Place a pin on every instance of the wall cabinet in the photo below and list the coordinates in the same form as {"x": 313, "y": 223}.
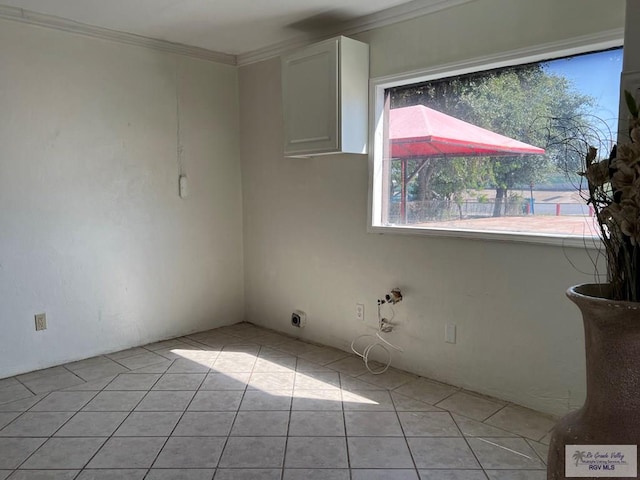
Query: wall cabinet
{"x": 325, "y": 90}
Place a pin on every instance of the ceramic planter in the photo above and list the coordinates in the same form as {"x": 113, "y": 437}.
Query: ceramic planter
{"x": 611, "y": 413}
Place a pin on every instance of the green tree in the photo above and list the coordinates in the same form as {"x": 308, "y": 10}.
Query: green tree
{"x": 519, "y": 102}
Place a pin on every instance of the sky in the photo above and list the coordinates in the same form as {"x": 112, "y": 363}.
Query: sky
{"x": 596, "y": 75}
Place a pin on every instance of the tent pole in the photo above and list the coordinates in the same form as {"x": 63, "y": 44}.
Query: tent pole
{"x": 403, "y": 191}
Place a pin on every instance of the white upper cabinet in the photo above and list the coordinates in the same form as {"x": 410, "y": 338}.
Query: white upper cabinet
{"x": 325, "y": 90}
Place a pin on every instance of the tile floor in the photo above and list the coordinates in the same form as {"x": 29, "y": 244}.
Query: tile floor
{"x": 242, "y": 402}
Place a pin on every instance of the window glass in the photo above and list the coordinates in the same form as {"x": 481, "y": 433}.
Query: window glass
{"x": 496, "y": 150}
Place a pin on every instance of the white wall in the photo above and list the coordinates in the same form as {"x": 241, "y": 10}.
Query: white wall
{"x": 306, "y": 244}
{"x": 92, "y": 230}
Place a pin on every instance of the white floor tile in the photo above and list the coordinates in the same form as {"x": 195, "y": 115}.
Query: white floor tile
{"x": 245, "y": 403}
{"x": 522, "y": 421}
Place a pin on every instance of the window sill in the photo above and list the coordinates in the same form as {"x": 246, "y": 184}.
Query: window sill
{"x": 560, "y": 240}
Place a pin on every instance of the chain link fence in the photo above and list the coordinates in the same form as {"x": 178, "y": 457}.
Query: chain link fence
{"x": 444, "y": 210}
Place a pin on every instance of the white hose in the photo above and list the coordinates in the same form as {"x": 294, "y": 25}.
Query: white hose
{"x": 380, "y": 342}
{"x": 384, "y": 325}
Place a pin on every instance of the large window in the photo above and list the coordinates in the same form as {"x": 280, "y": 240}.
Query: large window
{"x": 493, "y": 151}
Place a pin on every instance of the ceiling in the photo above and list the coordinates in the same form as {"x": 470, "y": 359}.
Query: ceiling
{"x": 235, "y": 27}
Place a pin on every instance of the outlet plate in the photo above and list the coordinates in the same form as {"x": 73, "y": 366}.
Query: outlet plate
{"x": 298, "y": 319}
{"x": 360, "y": 312}
{"x": 41, "y": 321}
{"x": 450, "y": 333}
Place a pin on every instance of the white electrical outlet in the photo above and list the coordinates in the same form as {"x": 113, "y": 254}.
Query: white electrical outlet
{"x": 41, "y": 321}
{"x": 450, "y": 333}
{"x": 360, "y": 312}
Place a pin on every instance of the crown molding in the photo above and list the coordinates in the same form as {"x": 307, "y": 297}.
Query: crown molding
{"x": 537, "y": 53}
{"x": 399, "y": 13}
{"x": 65, "y": 25}
{"x": 383, "y": 18}
{"x": 277, "y": 49}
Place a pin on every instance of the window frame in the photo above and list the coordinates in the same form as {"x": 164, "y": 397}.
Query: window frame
{"x": 378, "y": 85}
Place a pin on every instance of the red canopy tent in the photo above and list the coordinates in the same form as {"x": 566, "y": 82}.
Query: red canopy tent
{"x": 421, "y": 132}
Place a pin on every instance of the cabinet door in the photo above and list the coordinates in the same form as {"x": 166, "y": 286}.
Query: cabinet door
{"x": 310, "y": 99}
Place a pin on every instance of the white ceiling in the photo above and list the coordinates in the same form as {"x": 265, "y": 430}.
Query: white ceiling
{"x": 233, "y": 27}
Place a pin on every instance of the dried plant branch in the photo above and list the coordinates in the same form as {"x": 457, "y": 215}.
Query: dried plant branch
{"x": 613, "y": 191}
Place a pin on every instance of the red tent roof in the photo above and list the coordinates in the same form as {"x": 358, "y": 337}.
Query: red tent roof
{"x": 419, "y": 131}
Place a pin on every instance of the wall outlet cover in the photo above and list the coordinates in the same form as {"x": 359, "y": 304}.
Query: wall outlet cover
{"x": 298, "y": 318}
{"x": 41, "y": 321}
{"x": 450, "y": 333}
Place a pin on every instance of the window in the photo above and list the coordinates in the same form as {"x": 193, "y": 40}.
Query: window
{"x": 493, "y": 152}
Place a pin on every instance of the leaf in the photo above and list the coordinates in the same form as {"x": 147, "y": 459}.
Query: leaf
{"x": 631, "y": 103}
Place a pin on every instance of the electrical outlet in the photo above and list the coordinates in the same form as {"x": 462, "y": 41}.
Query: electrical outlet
{"x": 360, "y": 312}
{"x": 298, "y": 318}
{"x": 41, "y": 321}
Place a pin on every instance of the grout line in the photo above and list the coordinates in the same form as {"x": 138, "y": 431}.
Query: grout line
{"x": 160, "y": 341}
{"x": 448, "y": 396}
{"x": 546, "y": 433}
{"x": 49, "y": 437}
{"x": 286, "y": 440}
{"x": 124, "y": 420}
{"x": 139, "y": 368}
{"x": 235, "y": 417}
{"x": 346, "y": 441}
{"x": 495, "y": 413}
{"x": 406, "y": 441}
{"x": 466, "y": 441}
{"x": 23, "y": 384}
{"x": 179, "y": 419}
{"x": 528, "y": 441}
{"x": 75, "y": 374}
{"x": 488, "y": 417}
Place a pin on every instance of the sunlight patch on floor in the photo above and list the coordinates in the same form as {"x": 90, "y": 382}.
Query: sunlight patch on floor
{"x": 283, "y": 379}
